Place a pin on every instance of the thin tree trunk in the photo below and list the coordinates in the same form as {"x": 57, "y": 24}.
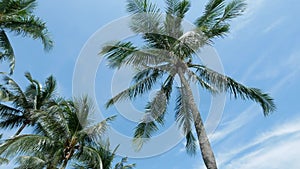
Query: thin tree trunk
{"x": 205, "y": 147}
{"x": 20, "y": 129}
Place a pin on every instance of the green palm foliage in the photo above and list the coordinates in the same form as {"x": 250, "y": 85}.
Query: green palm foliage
{"x": 107, "y": 156}
{"x": 2, "y": 160}
{"x": 18, "y": 107}
{"x": 17, "y": 16}
{"x": 64, "y": 135}
{"x": 168, "y": 52}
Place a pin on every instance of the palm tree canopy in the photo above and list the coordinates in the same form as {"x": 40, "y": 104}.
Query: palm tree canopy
{"x": 18, "y": 106}
{"x": 166, "y": 52}
{"x": 60, "y": 136}
{"x": 17, "y": 16}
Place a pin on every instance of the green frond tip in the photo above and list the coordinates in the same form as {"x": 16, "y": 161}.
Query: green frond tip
{"x": 191, "y": 144}
{"x": 264, "y": 99}
{"x": 143, "y": 133}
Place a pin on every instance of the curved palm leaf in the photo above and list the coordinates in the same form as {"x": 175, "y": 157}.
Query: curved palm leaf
{"x": 17, "y": 17}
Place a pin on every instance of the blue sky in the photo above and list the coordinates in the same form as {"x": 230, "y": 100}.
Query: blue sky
{"x": 262, "y": 50}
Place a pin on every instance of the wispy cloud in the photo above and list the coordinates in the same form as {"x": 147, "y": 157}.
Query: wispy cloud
{"x": 273, "y": 25}
{"x": 278, "y": 149}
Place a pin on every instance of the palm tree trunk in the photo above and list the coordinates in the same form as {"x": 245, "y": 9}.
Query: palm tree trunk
{"x": 205, "y": 147}
{"x": 20, "y": 129}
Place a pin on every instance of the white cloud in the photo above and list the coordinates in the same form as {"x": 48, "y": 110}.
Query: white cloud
{"x": 275, "y": 149}
{"x": 279, "y": 132}
{"x": 273, "y": 25}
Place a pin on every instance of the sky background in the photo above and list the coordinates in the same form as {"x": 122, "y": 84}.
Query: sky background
{"x": 262, "y": 50}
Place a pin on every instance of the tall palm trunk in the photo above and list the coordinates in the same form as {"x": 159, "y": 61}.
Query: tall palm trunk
{"x": 205, "y": 147}
{"x": 20, "y": 129}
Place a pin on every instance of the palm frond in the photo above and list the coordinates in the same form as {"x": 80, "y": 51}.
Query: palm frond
{"x": 52, "y": 124}
{"x": 7, "y": 52}
{"x": 96, "y": 131}
{"x": 30, "y": 26}
{"x": 183, "y": 114}
{"x": 117, "y": 53}
{"x": 17, "y": 7}
{"x": 122, "y": 165}
{"x": 3, "y": 161}
{"x": 144, "y": 131}
{"x": 141, "y": 6}
{"x": 175, "y": 11}
{"x": 89, "y": 158}
{"x": 20, "y": 98}
{"x": 225, "y": 83}
{"x": 157, "y": 107}
{"x": 143, "y": 85}
{"x": 195, "y": 78}
{"x": 191, "y": 146}
{"x": 214, "y": 22}
{"x": 9, "y": 121}
{"x": 49, "y": 89}
{"x": 24, "y": 144}
{"x": 26, "y": 162}
{"x": 146, "y": 16}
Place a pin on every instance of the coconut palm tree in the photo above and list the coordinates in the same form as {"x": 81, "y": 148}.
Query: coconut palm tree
{"x": 17, "y": 16}
{"x": 64, "y": 135}
{"x": 107, "y": 157}
{"x": 17, "y": 106}
{"x": 166, "y": 53}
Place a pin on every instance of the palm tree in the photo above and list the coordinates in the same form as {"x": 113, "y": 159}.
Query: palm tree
{"x": 168, "y": 52}
{"x": 17, "y": 107}
{"x": 17, "y": 16}
{"x": 107, "y": 156}
{"x": 64, "y": 134}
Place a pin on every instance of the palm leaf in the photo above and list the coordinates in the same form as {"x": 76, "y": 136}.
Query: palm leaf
{"x": 7, "y": 52}
{"x": 225, "y": 83}
{"x": 29, "y": 26}
{"x": 24, "y": 144}
{"x": 140, "y": 87}
{"x": 144, "y": 131}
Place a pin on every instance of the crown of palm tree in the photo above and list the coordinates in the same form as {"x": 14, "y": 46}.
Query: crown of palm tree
{"x": 168, "y": 52}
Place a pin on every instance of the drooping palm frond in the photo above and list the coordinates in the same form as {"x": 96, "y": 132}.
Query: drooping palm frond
{"x": 183, "y": 114}
{"x": 6, "y": 51}
{"x": 191, "y": 143}
{"x": 225, "y": 83}
{"x": 30, "y": 26}
{"x": 143, "y": 131}
{"x": 17, "y": 17}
